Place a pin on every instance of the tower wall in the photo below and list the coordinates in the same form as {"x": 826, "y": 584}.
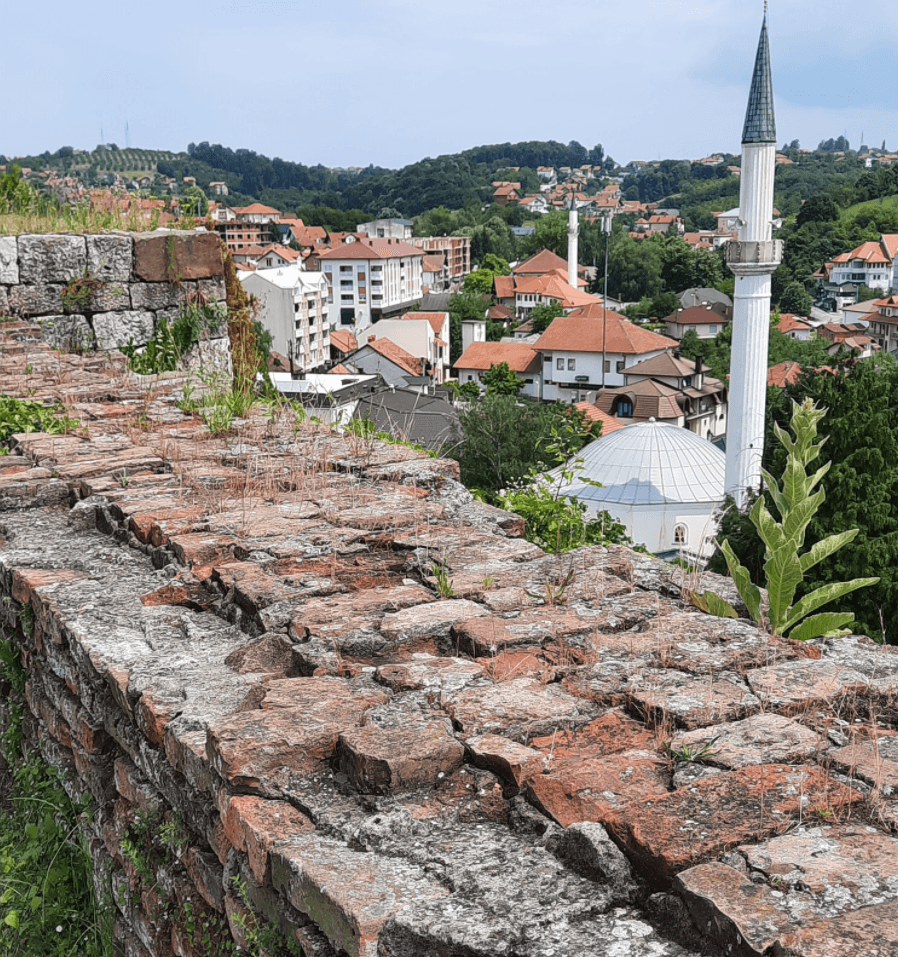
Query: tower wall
{"x": 573, "y": 231}
{"x": 756, "y": 191}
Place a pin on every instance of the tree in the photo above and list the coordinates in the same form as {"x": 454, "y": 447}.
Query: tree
{"x": 463, "y": 306}
{"x": 501, "y": 380}
{"x": 505, "y": 438}
{"x": 480, "y": 281}
{"x": 817, "y": 209}
{"x": 541, "y": 316}
{"x": 497, "y": 266}
{"x": 796, "y": 299}
{"x": 550, "y": 232}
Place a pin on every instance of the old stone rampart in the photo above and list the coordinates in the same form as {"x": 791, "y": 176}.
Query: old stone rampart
{"x": 366, "y": 710}
{"x": 103, "y": 291}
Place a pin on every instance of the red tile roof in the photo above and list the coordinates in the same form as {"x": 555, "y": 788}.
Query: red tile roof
{"x": 285, "y": 252}
{"x": 539, "y": 263}
{"x": 520, "y": 357}
{"x": 783, "y": 374}
{"x": 397, "y": 355}
{"x": 373, "y": 249}
{"x": 792, "y": 323}
{"x": 344, "y": 340}
{"x": 504, "y": 287}
{"x": 581, "y": 331}
{"x": 552, "y": 286}
{"x": 869, "y": 252}
{"x": 595, "y": 414}
{"x": 256, "y": 209}
{"x": 436, "y": 319}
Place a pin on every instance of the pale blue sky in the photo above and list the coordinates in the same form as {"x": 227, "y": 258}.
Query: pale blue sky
{"x": 391, "y": 81}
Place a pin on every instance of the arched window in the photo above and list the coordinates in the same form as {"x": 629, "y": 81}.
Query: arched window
{"x": 624, "y": 408}
{"x": 680, "y": 535}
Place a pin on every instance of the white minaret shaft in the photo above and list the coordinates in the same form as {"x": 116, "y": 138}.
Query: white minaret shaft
{"x": 573, "y": 231}
{"x": 752, "y": 259}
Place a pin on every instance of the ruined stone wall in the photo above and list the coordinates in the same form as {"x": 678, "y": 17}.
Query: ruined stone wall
{"x": 104, "y": 291}
{"x": 239, "y": 645}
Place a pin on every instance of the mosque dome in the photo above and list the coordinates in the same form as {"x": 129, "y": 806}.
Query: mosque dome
{"x": 647, "y": 464}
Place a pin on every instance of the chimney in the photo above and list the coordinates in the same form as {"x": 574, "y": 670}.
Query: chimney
{"x": 698, "y": 381}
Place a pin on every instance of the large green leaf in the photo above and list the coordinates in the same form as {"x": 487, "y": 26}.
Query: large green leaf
{"x": 823, "y": 596}
{"x": 748, "y": 590}
{"x": 814, "y": 480}
{"x": 825, "y": 548}
{"x": 712, "y": 604}
{"x": 821, "y": 626}
{"x": 799, "y": 517}
{"x": 783, "y": 577}
{"x": 795, "y": 482}
{"x": 770, "y": 531}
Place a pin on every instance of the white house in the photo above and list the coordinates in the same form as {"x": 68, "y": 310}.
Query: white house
{"x": 424, "y": 335}
{"x": 294, "y": 310}
{"x": 705, "y": 321}
{"x": 521, "y": 358}
{"x": 873, "y": 264}
{"x": 391, "y": 362}
{"x": 372, "y": 279}
{"x": 574, "y": 348}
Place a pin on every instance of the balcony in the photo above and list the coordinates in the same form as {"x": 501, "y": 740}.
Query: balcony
{"x": 768, "y": 253}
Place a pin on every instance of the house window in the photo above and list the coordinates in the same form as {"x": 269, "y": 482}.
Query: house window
{"x": 571, "y": 365}
{"x": 346, "y": 269}
{"x": 620, "y": 365}
{"x": 680, "y": 535}
{"x": 712, "y": 330}
{"x": 559, "y": 364}
{"x": 624, "y": 408}
{"x": 607, "y": 365}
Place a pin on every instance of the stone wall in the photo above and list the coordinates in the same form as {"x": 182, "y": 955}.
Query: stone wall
{"x": 238, "y": 645}
{"x": 104, "y": 291}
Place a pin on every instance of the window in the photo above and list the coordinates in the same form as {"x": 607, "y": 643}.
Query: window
{"x": 346, "y": 269}
{"x": 607, "y": 365}
{"x": 347, "y": 316}
{"x": 571, "y": 365}
{"x": 559, "y": 364}
{"x": 680, "y": 535}
{"x": 624, "y": 408}
{"x": 620, "y": 365}
{"x": 712, "y": 330}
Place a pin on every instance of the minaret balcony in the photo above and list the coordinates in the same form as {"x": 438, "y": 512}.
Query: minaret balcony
{"x": 754, "y": 258}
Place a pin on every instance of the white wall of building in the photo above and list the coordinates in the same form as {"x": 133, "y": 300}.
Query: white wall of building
{"x": 561, "y": 382}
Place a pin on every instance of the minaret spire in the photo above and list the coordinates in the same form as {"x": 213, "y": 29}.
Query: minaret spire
{"x": 752, "y": 258}
{"x": 573, "y": 231}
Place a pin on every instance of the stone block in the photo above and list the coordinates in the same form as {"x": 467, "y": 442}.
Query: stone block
{"x": 114, "y": 329}
{"x": 521, "y": 705}
{"x": 207, "y": 876}
{"x": 213, "y": 289}
{"x": 175, "y": 257}
{"x": 873, "y": 759}
{"x": 109, "y": 258}
{"x": 156, "y": 295}
{"x": 871, "y": 931}
{"x": 433, "y": 620}
{"x": 350, "y": 896}
{"x": 4, "y": 301}
{"x": 9, "y": 260}
{"x": 743, "y": 918}
{"x": 691, "y": 701}
{"x": 595, "y": 789}
{"x": 37, "y": 300}
{"x": 253, "y": 825}
{"x": 429, "y": 673}
{"x": 513, "y": 762}
{"x": 669, "y": 833}
{"x": 67, "y": 333}
{"x": 760, "y": 739}
{"x": 795, "y": 686}
{"x": 407, "y": 752}
{"x": 48, "y": 258}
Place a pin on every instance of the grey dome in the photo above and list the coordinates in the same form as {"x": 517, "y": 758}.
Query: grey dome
{"x": 648, "y": 464}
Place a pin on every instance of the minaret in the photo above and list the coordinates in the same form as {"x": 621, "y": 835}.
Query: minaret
{"x": 573, "y": 231}
{"x": 752, "y": 258}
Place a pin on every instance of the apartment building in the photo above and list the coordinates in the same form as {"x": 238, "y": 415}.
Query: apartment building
{"x": 295, "y": 311}
{"x": 372, "y": 279}
{"x": 455, "y": 250}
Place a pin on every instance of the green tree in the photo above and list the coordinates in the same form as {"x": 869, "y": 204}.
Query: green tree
{"x": 480, "y": 282}
{"x": 550, "y": 232}
{"x": 505, "y": 438}
{"x": 541, "y": 316}
{"x": 501, "y": 380}
{"x": 463, "y": 306}
{"x": 497, "y": 266}
{"x": 796, "y": 299}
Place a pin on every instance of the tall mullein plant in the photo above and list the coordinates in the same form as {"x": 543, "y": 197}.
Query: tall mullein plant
{"x": 796, "y": 498}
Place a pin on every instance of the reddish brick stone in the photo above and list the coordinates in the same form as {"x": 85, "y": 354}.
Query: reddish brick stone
{"x": 428, "y": 621}
{"x": 689, "y": 700}
{"x": 134, "y": 788}
{"x": 742, "y": 917}
{"x": 667, "y": 834}
{"x": 871, "y": 931}
{"x": 523, "y": 663}
{"x": 428, "y": 673}
{"x": 760, "y": 739}
{"x": 595, "y": 789}
{"x": 26, "y": 580}
{"x": 612, "y": 733}
{"x": 515, "y": 763}
{"x": 795, "y": 686}
{"x": 252, "y": 825}
{"x": 270, "y": 654}
{"x": 873, "y": 759}
{"x": 177, "y": 257}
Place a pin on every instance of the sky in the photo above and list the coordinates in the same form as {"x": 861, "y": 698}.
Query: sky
{"x": 389, "y": 82}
